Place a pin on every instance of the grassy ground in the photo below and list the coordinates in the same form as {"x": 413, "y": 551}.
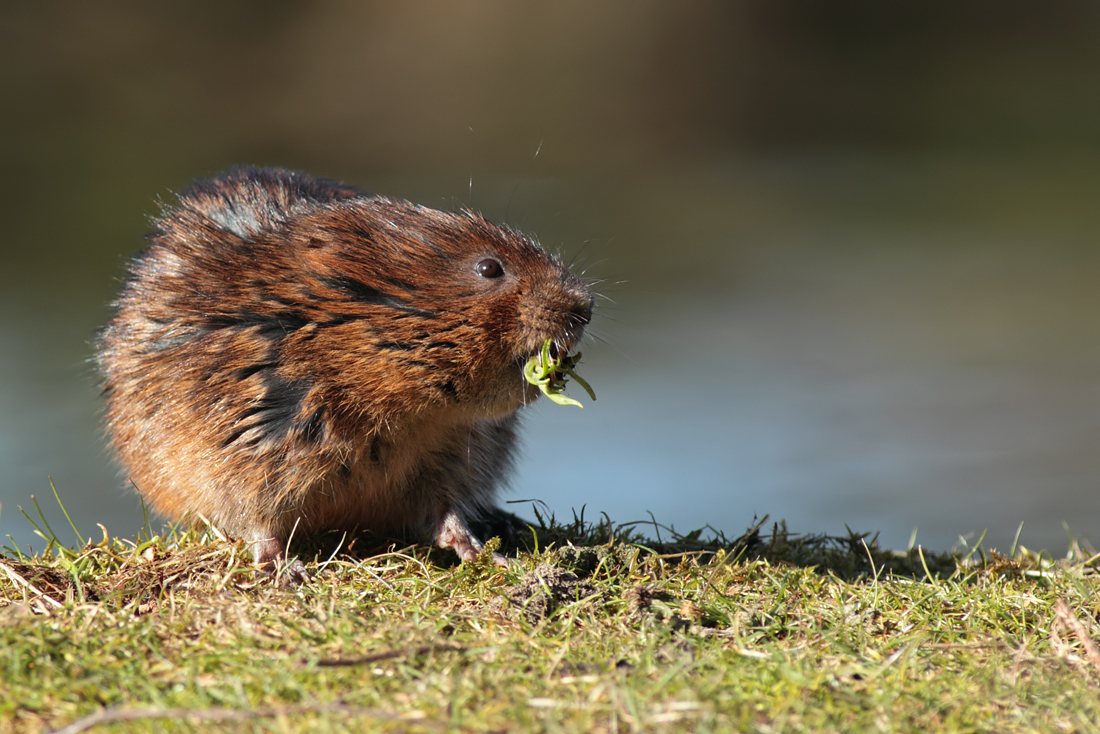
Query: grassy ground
{"x": 593, "y": 630}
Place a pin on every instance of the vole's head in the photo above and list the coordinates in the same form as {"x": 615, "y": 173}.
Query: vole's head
{"x": 453, "y": 303}
{"x": 318, "y": 308}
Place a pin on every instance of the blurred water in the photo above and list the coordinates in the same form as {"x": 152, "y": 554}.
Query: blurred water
{"x": 823, "y": 374}
{"x": 831, "y": 407}
{"x": 851, "y": 247}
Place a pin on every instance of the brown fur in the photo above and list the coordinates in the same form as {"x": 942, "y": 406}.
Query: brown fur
{"x": 289, "y": 351}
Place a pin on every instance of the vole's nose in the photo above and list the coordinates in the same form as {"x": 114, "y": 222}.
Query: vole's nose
{"x": 582, "y": 314}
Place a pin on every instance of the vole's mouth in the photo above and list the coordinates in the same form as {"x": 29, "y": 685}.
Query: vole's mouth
{"x": 550, "y": 369}
{"x": 561, "y": 324}
{"x": 558, "y": 349}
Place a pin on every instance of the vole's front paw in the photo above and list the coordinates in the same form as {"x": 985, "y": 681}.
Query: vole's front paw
{"x": 292, "y": 574}
{"x": 271, "y": 557}
{"x": 455, "y": 534}
{"x": 288, "y": 575}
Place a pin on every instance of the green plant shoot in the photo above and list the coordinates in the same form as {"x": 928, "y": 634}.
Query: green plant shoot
{"x": 550, "y": 375}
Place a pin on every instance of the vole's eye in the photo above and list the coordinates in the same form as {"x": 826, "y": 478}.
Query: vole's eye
{"x": 490, "y": 269}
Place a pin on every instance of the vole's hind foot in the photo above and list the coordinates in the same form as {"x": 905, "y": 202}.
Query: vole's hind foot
{"x": 271, "y": 558}
{"x": 288, "y": 574}
{"x": 454, "y": 533}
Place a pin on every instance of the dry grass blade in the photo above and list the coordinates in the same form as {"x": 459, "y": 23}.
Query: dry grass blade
{"x": 388, "y": 655}
{"x": 225, "y": 714}
{"x": 1069, "y": 619}
{"x": 20, "y": 581}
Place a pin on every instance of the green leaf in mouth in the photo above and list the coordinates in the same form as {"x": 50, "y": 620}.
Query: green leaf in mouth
{"x": 550, "y": 374}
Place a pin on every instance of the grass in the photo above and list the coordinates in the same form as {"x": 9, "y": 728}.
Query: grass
{"x": 594, "y": 629}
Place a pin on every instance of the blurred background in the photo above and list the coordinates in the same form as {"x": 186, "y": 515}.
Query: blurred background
{"x": 849, "y": 248}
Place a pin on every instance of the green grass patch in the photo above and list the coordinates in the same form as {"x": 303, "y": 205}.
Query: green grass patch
{"x": 594, "y": 628}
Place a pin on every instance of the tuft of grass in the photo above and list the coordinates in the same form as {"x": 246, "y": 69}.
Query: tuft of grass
{"x": 595, "y": 628}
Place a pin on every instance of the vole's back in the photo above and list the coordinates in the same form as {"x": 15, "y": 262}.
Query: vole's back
{"x": 290, "y": 352}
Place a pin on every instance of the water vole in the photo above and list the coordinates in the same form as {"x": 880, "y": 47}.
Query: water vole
{"x": 290, "y": 352}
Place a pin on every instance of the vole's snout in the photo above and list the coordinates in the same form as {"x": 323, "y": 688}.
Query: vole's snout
{"x": 562, "y": 322}
{"x": 577, "y": 316}
{"x": 582, "y": 314}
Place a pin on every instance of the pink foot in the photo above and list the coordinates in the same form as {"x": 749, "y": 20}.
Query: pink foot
{"x": 454, "y": 533}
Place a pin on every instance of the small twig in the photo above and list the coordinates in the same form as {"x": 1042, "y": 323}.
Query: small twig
{"x": 388, "y": 655}
{"x": 1067, "y": 617}
{"x": 222, "y": 714}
